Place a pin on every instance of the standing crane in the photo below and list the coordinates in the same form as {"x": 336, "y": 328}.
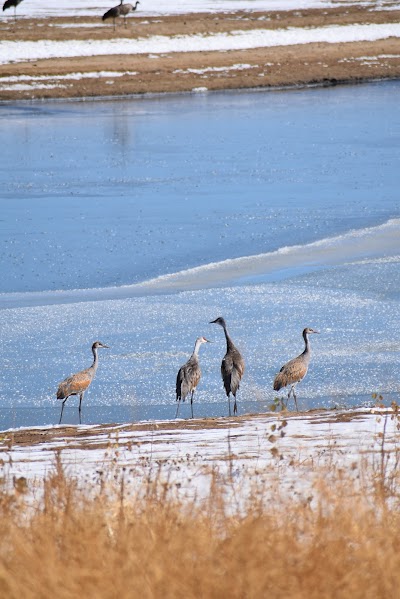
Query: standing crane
{"x": 232, "y": 366}
{"x": 125, "y": 9}
{"x": 117, "y": 11}
{"x": 9, "y": 4}
{"x": 295, "y": 370}
{"x": 189, "y": 376}
{"x": 76, "y": 384}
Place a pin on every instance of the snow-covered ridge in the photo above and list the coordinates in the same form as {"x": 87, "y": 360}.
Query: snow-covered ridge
{"x": 245, "y": 444}
{"x": 11, "y": 51}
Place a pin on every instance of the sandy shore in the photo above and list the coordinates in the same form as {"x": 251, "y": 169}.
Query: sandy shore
{"x": 294, "y": 65}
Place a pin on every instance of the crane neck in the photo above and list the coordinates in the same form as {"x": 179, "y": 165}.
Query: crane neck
{"x": 229, "y": 342}
{"x": 95, "y": 359}
{"x": 307, "y": 348}
{"x": 196, "y": 348}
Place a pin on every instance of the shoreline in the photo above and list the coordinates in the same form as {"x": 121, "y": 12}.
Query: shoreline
{"x": 297, "y": 65}
{"x": 205, "y": 444}
{"x": 150, "y": 95}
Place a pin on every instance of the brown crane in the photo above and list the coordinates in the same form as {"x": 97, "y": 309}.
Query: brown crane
{"x": 189, "y": 376}
{"x": 120, "y": 10}
{"x": 9, "y": 4}
{"x": 232, "y": 366}
{"x": 295, "y": 370}
{"x": 77, "y": 384}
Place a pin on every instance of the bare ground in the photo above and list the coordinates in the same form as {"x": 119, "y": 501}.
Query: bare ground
{"x": 310, "y": 64}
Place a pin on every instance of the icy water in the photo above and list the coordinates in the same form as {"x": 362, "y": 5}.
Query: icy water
{"x": 137, "y": 222}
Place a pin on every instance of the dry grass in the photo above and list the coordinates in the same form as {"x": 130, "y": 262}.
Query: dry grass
{"x": 106, "y": 542}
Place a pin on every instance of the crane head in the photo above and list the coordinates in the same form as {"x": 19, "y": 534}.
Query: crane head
{"x": 203, "y": 340}
{"x": 98, "y": 344}
{"x": 308, "y": 331}
{"x": 219, "y": 321}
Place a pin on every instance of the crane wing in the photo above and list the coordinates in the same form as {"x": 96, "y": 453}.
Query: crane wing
{"x": 232, "y": 370}
{"x": 74, "y": 384}
{"x": 292, "y": 372}
{"x": 187, "y": 379}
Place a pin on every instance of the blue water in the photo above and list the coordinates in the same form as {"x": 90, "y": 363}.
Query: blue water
{"x": 99, "y": 197}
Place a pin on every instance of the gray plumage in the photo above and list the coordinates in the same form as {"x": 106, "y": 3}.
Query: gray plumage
{"x": 189, "y": 376}
{"x": 76, "y": 384}
{"x": 120, "y": 10}
{"x": 125, "y": 9}
{"x": 295, "y": 370}
{"x": 232, "y": 366}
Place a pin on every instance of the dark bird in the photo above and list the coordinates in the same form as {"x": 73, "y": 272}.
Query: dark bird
{"x": 120, "y": 10}
{"x": 10, "y": 3}
{"x": 189, "y": 376}
{"x": 295, "y": 370}
{"x": 232, "y": 366}
{"x": 77, "y": 384}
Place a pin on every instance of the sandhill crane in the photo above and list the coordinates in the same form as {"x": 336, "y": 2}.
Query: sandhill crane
{"x": 232, "y": 366}
{"x": 9, "y": 4}
{"x": 117, "y": 11}
{"x": 295, "y": 370}
{"x": 77, "y": 384}
{"x": 125, "y": 9}
{"x": 113, "y": 13}
{"x": 189, "y": 376}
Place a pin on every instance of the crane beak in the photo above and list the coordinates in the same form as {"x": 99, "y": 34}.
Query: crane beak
{"x": 207, "y": 340}
{"x": 105, "y": 346}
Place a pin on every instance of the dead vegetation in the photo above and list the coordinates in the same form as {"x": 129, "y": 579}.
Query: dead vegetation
{"x": 111, "y": 537}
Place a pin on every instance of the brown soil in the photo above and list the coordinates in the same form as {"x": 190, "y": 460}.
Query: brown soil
{"x": 84, "y": 436}
{"x": 320, "y": 64}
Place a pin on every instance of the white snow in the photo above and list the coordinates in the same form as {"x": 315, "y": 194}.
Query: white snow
{"x": 23, "y": 87}
{"x": 234, "y": 67}
{"x": 69, "y": 8}
{"x": 38, "y": 8}
{"x": 11, "y": 51}
{"x": 241, "y": 449}
{"x": 32, "y": 82}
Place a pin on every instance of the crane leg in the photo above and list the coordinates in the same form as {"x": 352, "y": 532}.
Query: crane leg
{"x": 288, "y": 397}
{"x": 80, "y": 408}
{"x": 295, "y": 400}
{"x": 62, "y": 409}
{"x": 191, "y": 402}
{"x": 229, "y": 405}
{"x": 235, "y": 408}
{"x": 177, "y": 407}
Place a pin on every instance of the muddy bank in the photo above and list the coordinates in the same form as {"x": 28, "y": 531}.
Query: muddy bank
{"x": 118, "y": 75}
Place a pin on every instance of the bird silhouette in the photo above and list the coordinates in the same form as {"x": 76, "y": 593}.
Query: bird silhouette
{"x": 189, "y": 376}
{"x": 232, "y": 366}
{"x": 9, "y": 4}
{"x": 295, "y": 370}
{"x": 76, "y": 384}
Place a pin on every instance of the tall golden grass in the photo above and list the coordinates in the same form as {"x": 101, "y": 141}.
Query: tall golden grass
{"x": 103, "y": 542}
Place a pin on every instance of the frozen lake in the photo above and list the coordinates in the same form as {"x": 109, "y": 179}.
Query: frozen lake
{"x": 137, "y": 222}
